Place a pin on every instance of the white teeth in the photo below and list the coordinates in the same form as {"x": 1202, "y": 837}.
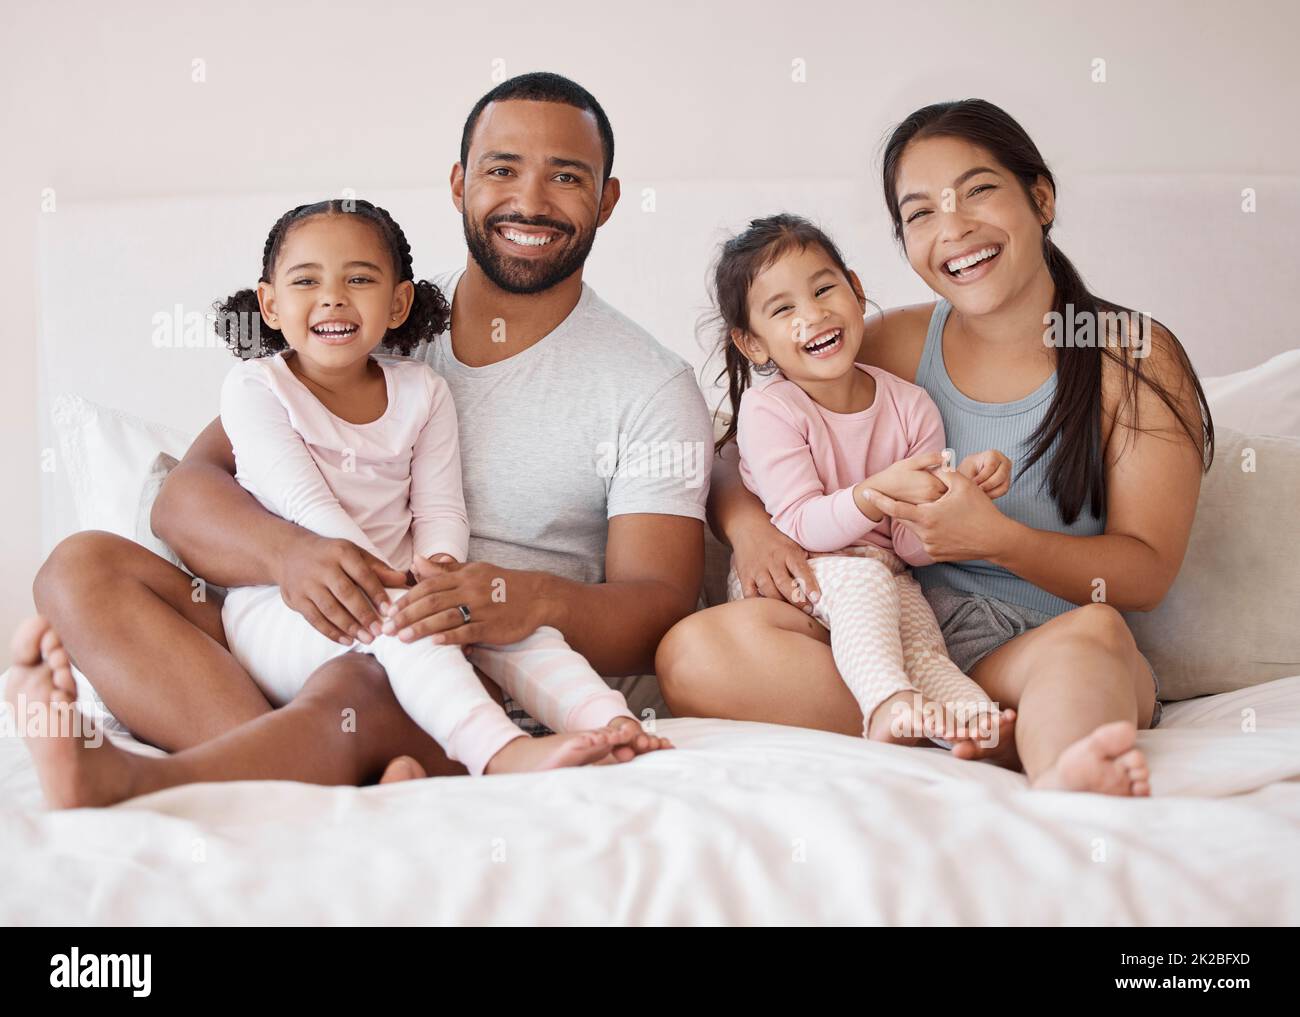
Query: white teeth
{"x": 334, "y": 329}
{"x": 957, "y": 264}
{"x": 527, "y": 239}
{"x": 822, "y": 343}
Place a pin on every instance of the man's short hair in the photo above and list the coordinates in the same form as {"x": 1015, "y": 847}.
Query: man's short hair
{"x": 543, "y": 86}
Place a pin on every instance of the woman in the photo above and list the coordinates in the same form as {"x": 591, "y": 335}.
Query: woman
{"x": 1110, "y": 439}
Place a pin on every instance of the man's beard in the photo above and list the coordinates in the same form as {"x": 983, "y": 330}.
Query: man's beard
{"x": 525, "y": 275}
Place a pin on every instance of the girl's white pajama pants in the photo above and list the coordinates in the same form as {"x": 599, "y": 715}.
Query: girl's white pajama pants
{"x": 435, "y": 684}
{"x": 884, "y": 637}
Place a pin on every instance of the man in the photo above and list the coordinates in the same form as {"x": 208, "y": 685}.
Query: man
{"x": 568, "y": 414}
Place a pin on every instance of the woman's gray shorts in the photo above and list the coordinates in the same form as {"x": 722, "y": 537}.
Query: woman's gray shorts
{"x": 974, "y": 625}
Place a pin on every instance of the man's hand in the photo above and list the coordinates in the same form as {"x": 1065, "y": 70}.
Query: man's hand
{"x": 990, "y": 470}
{"x": 505, "y": 605}
{"x": 336, "y": 586}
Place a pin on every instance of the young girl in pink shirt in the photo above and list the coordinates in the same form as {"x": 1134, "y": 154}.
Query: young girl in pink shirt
{"x": 816, "y": 438}
{"x": 353, "y": 448}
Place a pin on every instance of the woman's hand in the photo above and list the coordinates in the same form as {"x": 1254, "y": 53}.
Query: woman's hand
{"x": 990, "y": 470}
{"x": 911, "y": 480}
{"x": 963, "y": 525}
{"x": 770, "y": 564}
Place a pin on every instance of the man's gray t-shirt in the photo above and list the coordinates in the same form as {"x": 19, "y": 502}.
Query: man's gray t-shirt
{"x": 595, "y": 420}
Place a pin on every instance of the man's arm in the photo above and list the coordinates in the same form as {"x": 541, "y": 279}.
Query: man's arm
{"x": 217, "y": 528}
{"x": 654, "y": 567}
{"x": 222, "y": 533}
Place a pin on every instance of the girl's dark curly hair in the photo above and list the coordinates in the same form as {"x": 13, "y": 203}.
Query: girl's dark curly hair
{"x": 239, "y": 317}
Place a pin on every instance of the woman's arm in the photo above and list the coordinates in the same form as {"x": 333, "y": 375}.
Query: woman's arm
{"x": 767, "y": 562}
{"x": 1153, "y": 478}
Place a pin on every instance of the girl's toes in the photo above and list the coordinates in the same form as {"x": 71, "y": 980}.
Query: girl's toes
{"x": 26, "y": 642}
{"x": 49, "y": 643}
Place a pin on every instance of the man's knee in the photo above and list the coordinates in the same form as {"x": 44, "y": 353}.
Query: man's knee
{"x": 81, "y": 565}
{"x": 353, "y": 680}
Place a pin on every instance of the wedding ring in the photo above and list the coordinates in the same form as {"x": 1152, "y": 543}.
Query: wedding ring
{"x": 464, "y": 613}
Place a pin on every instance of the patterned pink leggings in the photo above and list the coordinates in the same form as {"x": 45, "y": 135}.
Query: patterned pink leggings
{"x": 884, "y": 637}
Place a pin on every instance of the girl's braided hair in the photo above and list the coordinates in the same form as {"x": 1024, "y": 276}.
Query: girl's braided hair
{"x": 239, "y": 317}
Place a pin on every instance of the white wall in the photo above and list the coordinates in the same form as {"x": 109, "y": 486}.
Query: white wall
{"x": 99, "y": 104}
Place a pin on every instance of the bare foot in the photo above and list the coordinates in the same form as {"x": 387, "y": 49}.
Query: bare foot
{"x": 993, "y": 740}
{"x": 642, "y": 740}
{"x": 904, "y": 719}
{"x": 551, "y": 752}
{"x": 77, "y": 766}
{"x": 402, "y": 768}
{"x": 1105, "y": 762}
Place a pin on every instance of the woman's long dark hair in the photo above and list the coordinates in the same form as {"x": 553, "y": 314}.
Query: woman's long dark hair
{"x": 740, "y": 261}
{"x": 1076, "y": 473}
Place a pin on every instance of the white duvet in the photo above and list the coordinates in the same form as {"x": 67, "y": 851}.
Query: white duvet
{"x": 743, "y": 823}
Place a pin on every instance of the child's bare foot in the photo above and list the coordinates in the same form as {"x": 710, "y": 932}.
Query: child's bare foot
{"x": 77, "y": 766}
{"x": 642, "y": 740}
{"x": 402, "y": 768}
{"x": 902, "y": 719}
{"x": 551, "y": 752}
{"x": 1105, "y": 762}
{"x": 991, "y": 738}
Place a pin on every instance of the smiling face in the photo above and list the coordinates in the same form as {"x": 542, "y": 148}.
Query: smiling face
{"x": 334, "y": 292}
{"x": 532, "y": 192}
{"x": 969, "y": 229}
{"x": 805, "y": 316}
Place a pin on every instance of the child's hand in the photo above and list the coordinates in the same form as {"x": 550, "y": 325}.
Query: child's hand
{"x": 911, "y": 480}
{"x": 424, "y": 568}
{"x": 991, "y": 470}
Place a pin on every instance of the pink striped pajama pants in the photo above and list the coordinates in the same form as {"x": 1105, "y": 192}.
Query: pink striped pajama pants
{"x": 884, "y": 637}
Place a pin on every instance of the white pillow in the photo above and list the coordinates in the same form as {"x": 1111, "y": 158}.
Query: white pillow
{"x": 1264, "y": 399}
{"x": 1228, "y": 621}
{"x": 110, "y": 457}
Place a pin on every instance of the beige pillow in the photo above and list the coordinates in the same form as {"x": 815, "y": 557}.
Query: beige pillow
{"x": 1229, "y": 620}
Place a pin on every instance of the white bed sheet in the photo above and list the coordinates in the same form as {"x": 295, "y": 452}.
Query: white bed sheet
{"x": 743, "y": 823}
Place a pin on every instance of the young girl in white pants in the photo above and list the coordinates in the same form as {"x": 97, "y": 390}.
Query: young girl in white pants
{"x": 815, "y": 441}
{"x": 367, "y": 451}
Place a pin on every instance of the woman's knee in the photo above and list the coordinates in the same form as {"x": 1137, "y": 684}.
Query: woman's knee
{"x": 687, "y": 654}
{"x": 1101, "y": 632}
{"x": 1101, "y": 626}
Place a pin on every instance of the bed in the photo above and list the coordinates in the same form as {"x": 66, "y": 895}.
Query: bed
{"x": 742, "y": 823}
